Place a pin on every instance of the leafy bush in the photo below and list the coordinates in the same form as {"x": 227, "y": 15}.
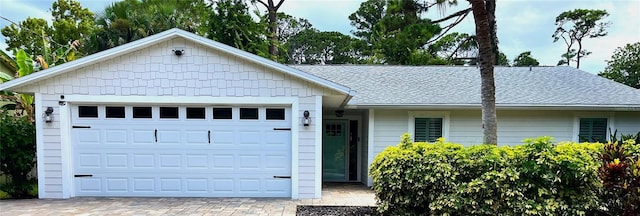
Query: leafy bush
{"x": 620, "y": 174}
{"x": 536, "y": 178}
{"x": 17, "y": 154}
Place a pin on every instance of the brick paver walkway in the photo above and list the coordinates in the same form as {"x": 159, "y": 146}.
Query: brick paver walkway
{"x": 334, "y": 194}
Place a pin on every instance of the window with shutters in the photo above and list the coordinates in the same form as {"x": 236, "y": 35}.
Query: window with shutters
{"x": 592, "y": 130}
{"x": 428, "y": 126}
{"x": 427, "y": 129}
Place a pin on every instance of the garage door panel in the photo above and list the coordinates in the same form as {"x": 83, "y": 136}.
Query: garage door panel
{"x": 203, "y": 158}
{"x": 197, "y": 137}
{"x": 221, "y": 138}
{"x": 143, "y": 161}
{"x": 89, "y": 160}
{"x": 166, "y": 136}
{"x": 115, "y": 137}
{"x": 89, "y": 185}
{"x": 197, "y": 185}
{"x": 117, "y": 184}
{"x": 116, "y": 160}
{"x": 248, "y": 162}
{"x": 141, "y": 184}
{"x": 170, "y": 185}
{"x": 197, "y": 161}
{"x": 88, "y": 137}
{"x": 170, "y": 160}
{"x": 223, "y": 162}
{"x": 143, "y": 136}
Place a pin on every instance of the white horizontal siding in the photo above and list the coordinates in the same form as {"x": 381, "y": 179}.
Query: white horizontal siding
{"x": 389, "y": 125}
{"x": 627, "y": 122}
{"x": 513, "y": 126}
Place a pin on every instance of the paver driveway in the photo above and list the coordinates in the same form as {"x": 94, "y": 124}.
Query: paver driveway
{"x": 332, "y": 195}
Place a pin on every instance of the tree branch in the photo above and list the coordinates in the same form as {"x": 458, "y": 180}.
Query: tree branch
{"x": 449, "y": 27}
{"x": 265, "y": 5}
{"x": 279, "y": 4}
{"x": 456, "y": 14}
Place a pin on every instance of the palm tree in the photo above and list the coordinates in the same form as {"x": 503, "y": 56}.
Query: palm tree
{"x": 486, "y": 61}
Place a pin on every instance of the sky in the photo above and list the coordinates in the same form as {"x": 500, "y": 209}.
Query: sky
{"x": 522, "y": 25}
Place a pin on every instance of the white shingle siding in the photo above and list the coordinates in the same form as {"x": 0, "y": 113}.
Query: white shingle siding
{"x": 156, "y": 71}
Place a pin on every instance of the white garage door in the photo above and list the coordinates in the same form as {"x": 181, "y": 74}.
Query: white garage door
{"x": 186, "y": 151}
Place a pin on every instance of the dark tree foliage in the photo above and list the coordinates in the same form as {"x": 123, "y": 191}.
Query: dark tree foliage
{"x": 624, "y": 66}
{"x": 129, "y": 20}
{"x": 231, "y": 24}
{"x": 525, "y": 59}
{"x": 315, "y": 47}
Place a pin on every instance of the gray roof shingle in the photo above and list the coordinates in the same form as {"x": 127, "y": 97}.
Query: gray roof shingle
{"x": 458, "y": 85}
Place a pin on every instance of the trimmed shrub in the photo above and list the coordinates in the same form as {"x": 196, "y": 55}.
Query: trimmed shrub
{"x": 441, "y": 178}
{"x": 17, "y": 154}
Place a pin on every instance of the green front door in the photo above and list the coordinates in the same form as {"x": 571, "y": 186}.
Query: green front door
{"x": 334, "y": 157}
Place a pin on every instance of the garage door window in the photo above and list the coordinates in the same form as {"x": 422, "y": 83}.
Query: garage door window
{"x": 142, "y": 112}
{"x": 248, "y": 113}
{"x": 88, "y": 111}
{"x": 115, "y": 112}
{"x": 169, "y": 112}
{"x": 195, "y": 113}
{"x": 222, "y": 113}
{"x": 275, "y": 114}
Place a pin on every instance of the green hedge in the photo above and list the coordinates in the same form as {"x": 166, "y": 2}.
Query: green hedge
{"x": 535, "y": 178}
{"x": 17, "y": 155}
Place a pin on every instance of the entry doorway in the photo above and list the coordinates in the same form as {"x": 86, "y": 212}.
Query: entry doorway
{"x": 340, "y": 151}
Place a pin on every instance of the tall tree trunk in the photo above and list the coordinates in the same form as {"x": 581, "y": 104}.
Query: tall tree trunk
{"x": 273, "y": 26}
{"x": 272, "y": 9}
{"x": 490, "y": 5}
{"x": 485, "y": 59}
{"x": 578, "y": 54}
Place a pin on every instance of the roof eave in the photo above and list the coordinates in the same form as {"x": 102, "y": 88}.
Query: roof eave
{"x": 585, "y": 107}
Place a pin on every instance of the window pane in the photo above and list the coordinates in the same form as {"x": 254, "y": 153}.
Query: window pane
{"x": 88, "y": 111}
{"x": 593, "y": 130}
{"x": 222, "y": 113}
{"x": 248, "y": 113}
{"x": 195, "y": 113}
{"x": 169, "y": 112}
{"x": 142, "y": 112}
{"x": 114, "y": 112}
{"x": 275, "y": 114}
{"x": 427, "y": 129}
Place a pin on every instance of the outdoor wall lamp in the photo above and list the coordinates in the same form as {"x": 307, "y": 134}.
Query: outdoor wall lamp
{"x": 306, "y": 120}
{"x": 178, "y": 52}
{"x": 48, "y": 115}
{"x": 339, "y": 113}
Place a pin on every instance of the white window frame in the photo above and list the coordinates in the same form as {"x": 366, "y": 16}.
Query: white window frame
{"x": 445, "y": 115}
{"x": 610, "y": 116}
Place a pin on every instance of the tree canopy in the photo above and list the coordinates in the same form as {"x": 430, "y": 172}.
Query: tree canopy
{"x": 624, "y": 66}
{"x": 71, "y": 23}
{"x": 575, "y": 25}
{"x": 525, "y": 59}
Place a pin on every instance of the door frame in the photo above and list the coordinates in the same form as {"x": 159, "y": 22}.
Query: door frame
{"x": 348, "y": 118}
{"x": 68, "y": 183}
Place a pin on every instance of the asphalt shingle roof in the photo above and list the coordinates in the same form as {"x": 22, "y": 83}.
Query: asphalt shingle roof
{"x": 459, "y": 85}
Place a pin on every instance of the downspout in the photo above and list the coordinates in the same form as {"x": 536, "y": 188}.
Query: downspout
{"x": 347, "y": 99}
